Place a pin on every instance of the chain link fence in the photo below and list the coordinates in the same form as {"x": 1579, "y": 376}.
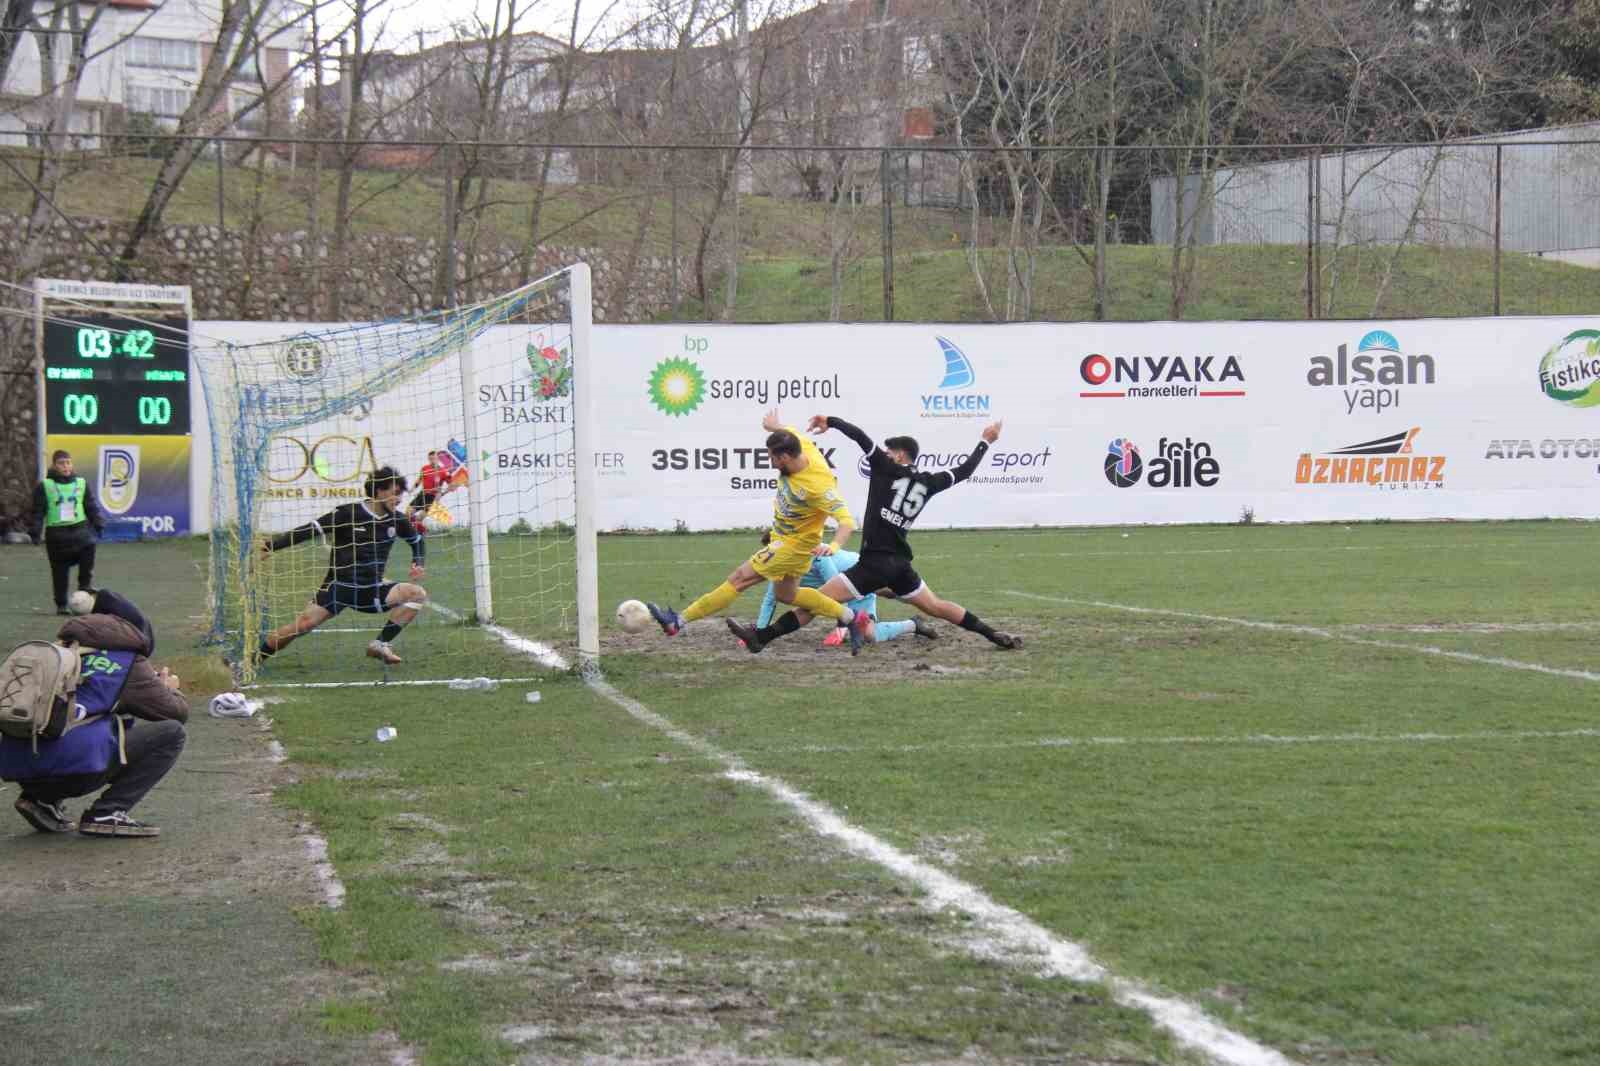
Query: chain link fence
{"x": 315, "y": 230}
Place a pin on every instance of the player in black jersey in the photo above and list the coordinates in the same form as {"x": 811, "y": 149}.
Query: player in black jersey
{"x": 896, "y": 495}
{"x": 361, "y": 534}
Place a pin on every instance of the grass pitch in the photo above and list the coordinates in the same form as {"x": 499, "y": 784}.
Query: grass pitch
{"x": 1333, "y": 784}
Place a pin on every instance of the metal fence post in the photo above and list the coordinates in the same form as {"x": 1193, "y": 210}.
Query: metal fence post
{"x": 1311, "y": 235}
{"x": 222, "y": 206}
{"x": 1498, "y": 154}
{"x": 884, "y": 181}
{"x": 672, "y": 171}
{"x": 448, "y": 278}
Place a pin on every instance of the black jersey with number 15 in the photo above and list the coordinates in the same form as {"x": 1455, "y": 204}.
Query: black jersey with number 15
{"x": 897, "y": 494}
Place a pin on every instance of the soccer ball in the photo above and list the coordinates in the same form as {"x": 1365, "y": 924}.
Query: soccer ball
{"x": 633, "y": 616}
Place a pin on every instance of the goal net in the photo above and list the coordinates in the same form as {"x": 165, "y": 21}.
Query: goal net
{"x": 483, "y": 410}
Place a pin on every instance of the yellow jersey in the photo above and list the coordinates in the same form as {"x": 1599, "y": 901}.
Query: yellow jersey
{"x": 805, "y": 500}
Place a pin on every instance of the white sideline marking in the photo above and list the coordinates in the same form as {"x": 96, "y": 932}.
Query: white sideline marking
{"x": 1128, "y": 552}
{"x": 544, "y": 654}
{"x": 1015, "y": 933}
{"x": 382, "y": 684}
{"x": 332, "y": 888}
{"x": 1179, "y": 741}
{"x": 1315, "y": 631}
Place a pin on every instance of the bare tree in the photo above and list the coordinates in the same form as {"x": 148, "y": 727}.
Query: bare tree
{"x": 245, "y": 26}
{"x": 1222, "y": 62}
{"x": 1015, "y": 72}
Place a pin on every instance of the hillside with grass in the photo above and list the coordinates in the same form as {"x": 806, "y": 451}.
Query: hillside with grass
{"x": 785, "y": 265}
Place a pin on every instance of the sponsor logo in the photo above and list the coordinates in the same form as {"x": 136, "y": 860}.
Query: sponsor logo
{"x": 1123, "y": 466}
{"x": 1373, "y": 375}
{"x": 1390, "y": 462}
{"x": 305, "y": 358}
{"x": 718, "y": 458}
{"x": 324, "y": 468}
{"x": 998, "y": 468}
{"x": 1548, "y": 448}
{"x": 955, "y": 397}
{"x": 157, "y": 523}
{"x": 1569, "y": 373}
{"x": 551, "y": 367}
{"x": 679, "y": 385}
{"x": 118, "y": 483}
{"x": 544, "y": 398}
{"x": 1141, "y": 377}
{"x": 1175, "y": 464}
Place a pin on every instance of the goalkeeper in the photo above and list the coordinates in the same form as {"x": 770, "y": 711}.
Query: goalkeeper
{"x": 825, "y": 568}
{"x": 808, "y": 495}
{"x": 362, "y": 534}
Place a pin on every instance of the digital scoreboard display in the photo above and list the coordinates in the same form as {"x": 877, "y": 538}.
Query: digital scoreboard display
{"x": 112, "y": 375}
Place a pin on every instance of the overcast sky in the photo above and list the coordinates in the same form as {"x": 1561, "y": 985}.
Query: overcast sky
{"x": 400, "y": 21}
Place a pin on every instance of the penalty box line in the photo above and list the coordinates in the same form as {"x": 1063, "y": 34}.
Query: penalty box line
{"x": 1315, "y": 631}
{"x": 1009, "y": 934}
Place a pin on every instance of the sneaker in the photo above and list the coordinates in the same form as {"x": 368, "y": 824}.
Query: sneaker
{"x": 669, "y": 621}
{"x": 45, "y": 817}
{"x": 1009, "y": 641}
{"x": 834, "y": 639}
{"x": 858, "y": 631}
{"x": 747, "y": 636}
{"x": 381, "y": 651}
{"x": 924, "y": 628}
{"x": 115, "y": 824}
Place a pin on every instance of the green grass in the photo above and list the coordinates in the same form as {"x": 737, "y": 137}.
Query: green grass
{"x": 1350, "y": 851}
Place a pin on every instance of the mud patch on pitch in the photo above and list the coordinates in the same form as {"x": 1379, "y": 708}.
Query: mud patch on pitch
{"x": 954, "y": 654}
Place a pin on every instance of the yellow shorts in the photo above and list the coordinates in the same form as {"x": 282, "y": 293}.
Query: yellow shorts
{"x": 779, "y": 560}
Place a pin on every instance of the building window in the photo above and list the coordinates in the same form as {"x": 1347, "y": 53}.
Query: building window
{"x": 163, "y": 103}
{"x": 164, "y": 53}
{"x": 914, "y": 57}
{"x": 251, "y": 122}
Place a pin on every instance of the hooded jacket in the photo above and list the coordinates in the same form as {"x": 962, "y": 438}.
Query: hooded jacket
{"x": 93, "y": 747}
{"x": 85, "y": 532}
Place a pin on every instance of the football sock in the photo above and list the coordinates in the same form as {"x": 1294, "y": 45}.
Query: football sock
{"x": 820, "y": 605}
{"x": 390, "y": 631}
{"x": 972, "y": 622}
{"x": 893, "y": 630}
{"x": 787, "y": 623}
{"x": 711, "y": 602}
{"x": 267, "y": 652}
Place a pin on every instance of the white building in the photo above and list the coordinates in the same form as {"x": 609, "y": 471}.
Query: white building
{"x": 144, "y": 56}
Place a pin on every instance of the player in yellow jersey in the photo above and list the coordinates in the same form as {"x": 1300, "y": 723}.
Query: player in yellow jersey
{"x": 808, "y": 495}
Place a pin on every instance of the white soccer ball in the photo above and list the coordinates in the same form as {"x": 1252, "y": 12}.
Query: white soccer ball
{"x": 633, "y": 616}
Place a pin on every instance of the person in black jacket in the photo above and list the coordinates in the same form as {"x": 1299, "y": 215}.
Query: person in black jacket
{"x": 126, "y": 758}
{"x": 896, "y": 494}
{"x": 67, "y": 513}
{"x": 360, "y": 535}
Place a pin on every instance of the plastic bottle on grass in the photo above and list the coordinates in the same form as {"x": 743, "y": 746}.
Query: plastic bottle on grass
{"x": 532, "y": 697}
{"x": 387, "y": 732}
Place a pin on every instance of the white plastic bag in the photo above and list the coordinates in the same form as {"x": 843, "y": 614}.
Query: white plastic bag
{"x": 232, "y": 705}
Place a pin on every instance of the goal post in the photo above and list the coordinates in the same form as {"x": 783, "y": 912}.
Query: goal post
{"x": 486, "y": 409}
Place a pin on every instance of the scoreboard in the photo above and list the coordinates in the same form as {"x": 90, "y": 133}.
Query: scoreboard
{"x": 110, "y": 375}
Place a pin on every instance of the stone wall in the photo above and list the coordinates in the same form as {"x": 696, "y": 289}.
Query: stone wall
{"x": 278, "y": 276}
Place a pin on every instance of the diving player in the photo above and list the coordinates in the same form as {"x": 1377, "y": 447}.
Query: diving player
{"x": 896, "y": 493}
{"x": 362, "y": 534}
{"x": 823, "y": 569}
{"x": 808, "y": 495}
